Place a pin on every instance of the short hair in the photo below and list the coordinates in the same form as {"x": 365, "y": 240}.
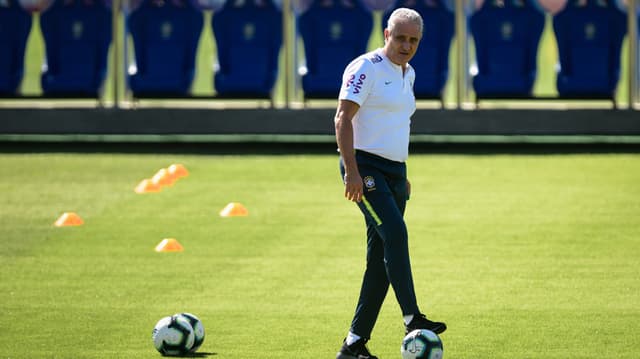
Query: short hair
{"x": 404, "y": 14}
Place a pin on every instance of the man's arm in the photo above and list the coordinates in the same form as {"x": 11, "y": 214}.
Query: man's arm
{"x": 344, "y": 137}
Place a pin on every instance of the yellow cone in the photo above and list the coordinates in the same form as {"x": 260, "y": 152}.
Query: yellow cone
{"x": 147, "y": 186}
{"x": 69, "y": 219}
{"x": 234, "y": 209}
{"x": 169, "y": 245}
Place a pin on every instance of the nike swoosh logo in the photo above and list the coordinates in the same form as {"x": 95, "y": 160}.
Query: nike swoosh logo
{"x": 387, "y": 82}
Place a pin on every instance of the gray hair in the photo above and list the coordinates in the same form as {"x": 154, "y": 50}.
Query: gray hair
{"x": 404, "y": 14}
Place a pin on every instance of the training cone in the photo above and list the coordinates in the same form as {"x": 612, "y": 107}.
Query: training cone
{"x": 234, "y": 209}
{"x": 169, "y": 245}
{"x": 69, "y": 219}
{"x": 147, "y": 186}
{"x": 177, "y": 171}
{"x": 162, "y": 178}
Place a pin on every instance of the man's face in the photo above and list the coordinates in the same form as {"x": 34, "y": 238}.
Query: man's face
{"x": 402, "y": 42}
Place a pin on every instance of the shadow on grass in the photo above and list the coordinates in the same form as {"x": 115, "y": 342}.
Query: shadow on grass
{"x": 198, "y": 355}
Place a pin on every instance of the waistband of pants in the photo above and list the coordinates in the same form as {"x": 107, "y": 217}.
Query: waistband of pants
{"x": 377, "y": 157}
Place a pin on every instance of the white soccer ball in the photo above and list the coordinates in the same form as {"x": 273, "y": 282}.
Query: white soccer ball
{"x": 173, "y": 335}
{"x": 421, "y": 344}
{"x": 198, "y": 330}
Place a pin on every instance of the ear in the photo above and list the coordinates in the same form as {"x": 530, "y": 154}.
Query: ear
{"x": 386, "y": 33}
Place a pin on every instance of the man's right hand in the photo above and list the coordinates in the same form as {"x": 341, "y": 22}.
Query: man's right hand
{"x": 353, "y": 187}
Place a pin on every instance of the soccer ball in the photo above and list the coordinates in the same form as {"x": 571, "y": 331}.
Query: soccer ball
{"x": 198, "y": 330}
{"x": 173, "y": 335}
{"x": 421, "y": 344}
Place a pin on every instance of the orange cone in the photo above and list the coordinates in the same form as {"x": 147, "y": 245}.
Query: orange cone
{"x": 169, "y": 245}
{"x": 177, "y": 171}
{"x": 69, "y": 219}
{"x": 162, "y": 178}
{"x": 147, "y": 186}
{"x": 234, "y": 209}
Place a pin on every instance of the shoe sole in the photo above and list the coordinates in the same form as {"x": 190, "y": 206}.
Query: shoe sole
{"x": 345, "y": 356}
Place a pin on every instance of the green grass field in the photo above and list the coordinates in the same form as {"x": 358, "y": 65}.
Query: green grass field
{"x": 524, "y": 256}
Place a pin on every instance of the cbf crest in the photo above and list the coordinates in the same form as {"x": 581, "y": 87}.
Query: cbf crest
{"x": 370, "y": 183}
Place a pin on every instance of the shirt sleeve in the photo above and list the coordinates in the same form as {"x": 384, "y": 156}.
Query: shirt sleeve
{"x": 357, "y": 81}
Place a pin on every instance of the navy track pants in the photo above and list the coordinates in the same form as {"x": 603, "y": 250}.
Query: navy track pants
{"x": 383, "y": 205}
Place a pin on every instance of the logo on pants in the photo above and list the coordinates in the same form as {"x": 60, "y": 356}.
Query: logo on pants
{"x": 370, "y": 183}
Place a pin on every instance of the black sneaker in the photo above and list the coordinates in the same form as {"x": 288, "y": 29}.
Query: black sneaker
{"x": 419, "y": 321}
{"x": 357, "y": 350}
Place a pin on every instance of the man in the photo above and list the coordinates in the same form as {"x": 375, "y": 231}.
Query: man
{"x": 372, "y": 121}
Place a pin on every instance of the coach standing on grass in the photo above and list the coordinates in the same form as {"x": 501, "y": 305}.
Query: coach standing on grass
{"x": 372, "y": 122}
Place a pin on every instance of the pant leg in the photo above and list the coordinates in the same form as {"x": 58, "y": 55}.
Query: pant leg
{"x": 392, "y": 229}
{"x": 375, "y": 285}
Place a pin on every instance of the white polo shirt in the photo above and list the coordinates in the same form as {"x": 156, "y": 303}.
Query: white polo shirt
{"x": 382, "y": 124}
